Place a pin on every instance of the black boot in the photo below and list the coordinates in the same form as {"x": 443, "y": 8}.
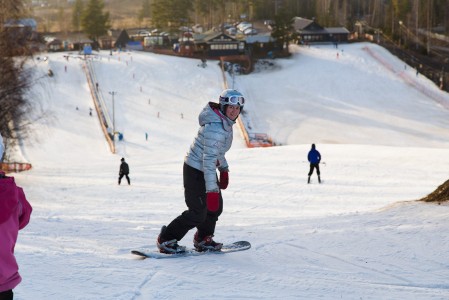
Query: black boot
{"x": 319, "y": 179}
{"x": 168, "y": 247}
{"x": 308, "y": 180}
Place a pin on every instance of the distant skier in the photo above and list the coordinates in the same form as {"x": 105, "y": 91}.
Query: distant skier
{"x": 202, "y": 188}
{"x": 124, "y": 171}
{"x": 314, "y": 158}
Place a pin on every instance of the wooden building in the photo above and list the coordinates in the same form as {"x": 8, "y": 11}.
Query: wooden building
{"x": 309, "y": 31}
{"x": 215, "y": 44}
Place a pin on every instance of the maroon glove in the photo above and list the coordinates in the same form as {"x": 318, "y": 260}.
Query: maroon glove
{"x": 224, "y": 180}
{"x": 213, "y": 201}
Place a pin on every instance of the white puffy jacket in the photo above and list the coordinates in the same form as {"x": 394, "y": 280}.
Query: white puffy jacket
{"x": 214, "y": 139}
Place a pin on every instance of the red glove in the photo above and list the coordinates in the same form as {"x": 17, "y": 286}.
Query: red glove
{"x": 224, "y": 180}
{"x": 213, "y": 201}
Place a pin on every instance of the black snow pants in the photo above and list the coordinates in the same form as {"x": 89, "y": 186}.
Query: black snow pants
{"x": 197, "y": 214}
{"x": 314, "y": 166}
{"x": 7, "y": 295}
{"x": 121, "y": 176}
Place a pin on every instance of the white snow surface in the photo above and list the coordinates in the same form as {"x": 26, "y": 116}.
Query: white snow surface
{"x": 383, "y": 133}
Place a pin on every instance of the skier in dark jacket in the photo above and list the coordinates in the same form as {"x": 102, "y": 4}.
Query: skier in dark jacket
{"x": 202, "y": 188}
{"x": 124, "y": 171}
{"x": 314, "y": 158}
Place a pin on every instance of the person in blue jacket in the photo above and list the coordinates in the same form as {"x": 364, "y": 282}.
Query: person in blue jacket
{"x": 314, "y": 158}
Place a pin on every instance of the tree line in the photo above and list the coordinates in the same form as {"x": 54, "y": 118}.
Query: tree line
{"x": 384, "y": 14}
{"x": 171, "y": 14}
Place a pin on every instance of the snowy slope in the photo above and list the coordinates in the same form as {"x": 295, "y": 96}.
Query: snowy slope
{"x": 356, "y": 236}
{"x": 365, "y": 93}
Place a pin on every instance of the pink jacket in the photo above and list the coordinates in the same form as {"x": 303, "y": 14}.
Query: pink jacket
{"x": 15, "y": 214}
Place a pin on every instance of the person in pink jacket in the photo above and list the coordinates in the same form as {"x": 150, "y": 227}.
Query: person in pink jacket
{"x": 15, "y": 214}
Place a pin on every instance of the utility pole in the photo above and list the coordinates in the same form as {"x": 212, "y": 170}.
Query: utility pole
{"x": 417, "y": 23}
{"x": 429, "y": 24}
{"x": 233, "y": 75}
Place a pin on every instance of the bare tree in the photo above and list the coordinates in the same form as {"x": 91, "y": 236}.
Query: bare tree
{"x": 16, "y": 78}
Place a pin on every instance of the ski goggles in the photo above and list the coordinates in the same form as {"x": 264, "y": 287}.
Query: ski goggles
{"x": 234, "y": 100}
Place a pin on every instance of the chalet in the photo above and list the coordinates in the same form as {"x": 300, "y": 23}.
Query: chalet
{"x": 260, "y": 45}
{"x": 55, "y": 45}
{"x": 309, "y": 31}
{"x": 80, "y": 43}
{"x": 214, "y": 44}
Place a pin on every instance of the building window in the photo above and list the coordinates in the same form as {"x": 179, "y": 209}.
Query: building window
{"x": 225, "y": 46}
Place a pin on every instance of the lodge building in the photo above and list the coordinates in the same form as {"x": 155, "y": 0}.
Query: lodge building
{"x": 309, "y": 31}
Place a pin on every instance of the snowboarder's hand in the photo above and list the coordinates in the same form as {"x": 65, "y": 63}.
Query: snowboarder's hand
{"x": 213, "y": 201}
{"x": 224, "y": 180}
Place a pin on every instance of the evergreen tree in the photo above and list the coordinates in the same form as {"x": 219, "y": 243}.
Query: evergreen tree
{"x": 62, "y": 20}
{"x": 94, "y": 22}
{"x": 282, "y": 30}
{"x": 171, "y": 14}
{"x": 145, "y": 11}
{"x": 77, "y": 12}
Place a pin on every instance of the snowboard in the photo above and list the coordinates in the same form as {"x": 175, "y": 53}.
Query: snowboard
{"x": 227, "y": 248}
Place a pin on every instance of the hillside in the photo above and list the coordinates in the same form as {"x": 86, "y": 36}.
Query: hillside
{"x": 358, "y": 235}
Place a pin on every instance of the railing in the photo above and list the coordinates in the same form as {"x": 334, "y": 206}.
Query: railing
{"x": 100, "y": 107}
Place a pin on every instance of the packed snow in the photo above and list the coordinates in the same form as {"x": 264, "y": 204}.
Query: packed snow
{"x": 382, "y": 130}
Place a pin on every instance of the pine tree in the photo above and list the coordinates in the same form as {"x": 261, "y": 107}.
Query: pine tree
{"x": 94, "y": 21}
{"x": 282, "y": 30}
{"x": 171, "y": 14}
{"x": 77, "y": 12}
{"x": 145, "y": 11}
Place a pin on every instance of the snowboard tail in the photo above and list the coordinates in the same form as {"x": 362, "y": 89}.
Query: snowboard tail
{"x": 227, "y": 248}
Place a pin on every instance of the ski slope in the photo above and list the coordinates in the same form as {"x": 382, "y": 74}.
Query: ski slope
{"x": 359, "y": 235}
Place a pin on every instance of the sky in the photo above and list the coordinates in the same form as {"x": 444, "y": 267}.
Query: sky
{"x": 382, "y": 131}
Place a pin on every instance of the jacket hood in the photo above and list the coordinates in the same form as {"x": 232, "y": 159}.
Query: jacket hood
{"x": 211, "y": 114}
{"x": 8, "y": 198}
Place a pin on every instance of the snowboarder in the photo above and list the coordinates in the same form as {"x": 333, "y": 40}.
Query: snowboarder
{"x": 15, "y": 213}
{"x": 124, "y": 171}
{"x": 202, "y": 188}
{"x": 314, "y": 158}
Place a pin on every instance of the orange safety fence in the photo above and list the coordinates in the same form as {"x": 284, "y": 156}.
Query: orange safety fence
{"x": 15, "y": 167}
{"x": 259, "y": 140}
{"x": 99, "y": 110}
{"x": 436, "y": 96}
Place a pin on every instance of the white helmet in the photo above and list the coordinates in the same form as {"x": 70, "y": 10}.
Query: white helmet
{"x": 231, "y": 97}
